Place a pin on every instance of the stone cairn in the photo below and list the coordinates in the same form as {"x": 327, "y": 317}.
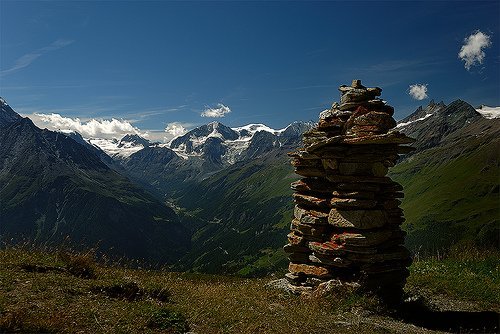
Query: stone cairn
{"x": 346, "y": 225}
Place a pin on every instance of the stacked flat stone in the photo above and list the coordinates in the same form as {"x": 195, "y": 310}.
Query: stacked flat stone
{"x": 347, "y": 219}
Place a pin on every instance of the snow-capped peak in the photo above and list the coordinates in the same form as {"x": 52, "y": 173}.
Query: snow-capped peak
{"x": 421, "y": 113}
{"x": 489, "y": 112}
{"x": 214, "y": 124}
{"x": 123, "y": 148}
{"x": 250, "y": 129}
{"x": 211, "y": 141}
{"x": 229, "y": 145}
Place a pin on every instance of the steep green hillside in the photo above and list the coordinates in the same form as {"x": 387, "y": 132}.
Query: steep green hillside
{"x": 452, "y": 190}
{"x": 244, "y": 214}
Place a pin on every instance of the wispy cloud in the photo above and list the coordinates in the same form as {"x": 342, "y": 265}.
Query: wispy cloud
{"x": 155, "y": 111}
{"x": 394, "y": 65}
{"x": 396, "y": 71}
{"x": 29, "y": 58}
{"x": 220, "y": 111}
{"x": 398, "y": 65}
{"x": 90, "y": 110}
{"x": 418, "y": 91}
{"x": 98, "y": 109}
{"x": 472, "y": 51}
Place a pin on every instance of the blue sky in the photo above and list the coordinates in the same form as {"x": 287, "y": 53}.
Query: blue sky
{"x": 152, "y": 63}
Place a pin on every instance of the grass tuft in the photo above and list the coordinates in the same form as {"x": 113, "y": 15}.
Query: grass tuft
{"x": 79, "y": 265}
{"x": 172, "y": 321}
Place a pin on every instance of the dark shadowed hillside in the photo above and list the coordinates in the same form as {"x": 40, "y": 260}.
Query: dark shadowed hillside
{"x": 53, "y": 188}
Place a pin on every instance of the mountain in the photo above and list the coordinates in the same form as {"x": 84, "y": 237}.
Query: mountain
{"x": 133, "y": 141}
{"x": 220, "y": 145}
{"x": 94, "y": 149}
{"x": 7, "y": 115}
{"x": 421, "y": 113}
{"x": 231, "y": 187}
{"x": 489, "y": 112}
{"x": 205, "y": 150}
{"x": 240, "y": 218}
{"x": 432, "y": 124}
{"x": 52, "y": 187}
{"x": 451, "y": 182}
{"x": 195, "y": 140}
{"x": 120, "y": 149}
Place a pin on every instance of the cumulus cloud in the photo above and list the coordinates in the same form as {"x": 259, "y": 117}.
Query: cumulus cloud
{"x": 175, "y": 129}
{"x": 472, "y": 51}
{"x": 418, "y": 91}
{"x": 92, "y": 128}
{"x": 220, "y": 111}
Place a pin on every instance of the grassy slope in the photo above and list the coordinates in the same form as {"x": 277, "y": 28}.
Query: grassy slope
{"x": 123, "y": 300}
{"x": 451, "y": 194}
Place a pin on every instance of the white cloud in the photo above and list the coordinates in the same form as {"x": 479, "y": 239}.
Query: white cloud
{"x": 91, "y": 128}
{"x": 28, "y": 58}
{"x": 175, "y": 129}
{"x": 472, "y": 51}
{"x": 418, "y": 91}
{"x": 220, "y": 111}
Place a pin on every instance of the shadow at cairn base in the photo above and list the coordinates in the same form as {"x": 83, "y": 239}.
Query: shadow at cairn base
{"x": 450, "y": 321}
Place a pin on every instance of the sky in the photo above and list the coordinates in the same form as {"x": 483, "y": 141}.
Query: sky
{"x": 158, "y": 68}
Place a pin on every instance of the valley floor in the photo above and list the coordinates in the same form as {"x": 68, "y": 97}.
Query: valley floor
{"x": 49, "y": 292}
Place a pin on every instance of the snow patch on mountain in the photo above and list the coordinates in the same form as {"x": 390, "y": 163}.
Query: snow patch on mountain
{"x": 115, "y": 148}
{"x": 249, "y": 130}
{"x": 210, "y": 141}
{"x": 489, "y": 112}
{"x": 402, "y": 125}
{"x": 232, "y": 144}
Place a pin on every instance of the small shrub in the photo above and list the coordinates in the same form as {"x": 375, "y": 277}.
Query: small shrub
{"x": 167, "y": 319}
{"x": 126, "y": 290}
{"x": 160, "y": 294}
{"x": 80, "y": 265}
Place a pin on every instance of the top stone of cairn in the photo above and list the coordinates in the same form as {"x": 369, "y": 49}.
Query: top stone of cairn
{"x": 358, "y": 93}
